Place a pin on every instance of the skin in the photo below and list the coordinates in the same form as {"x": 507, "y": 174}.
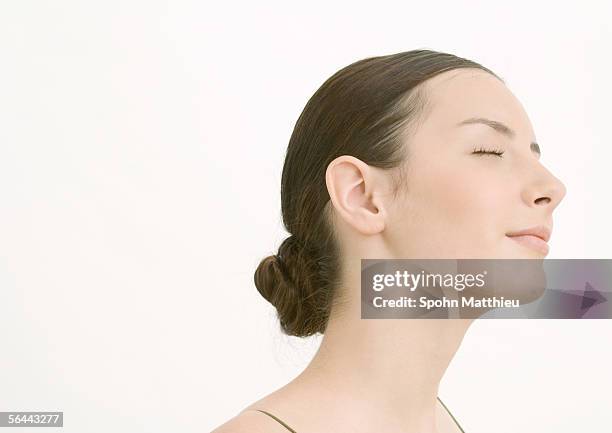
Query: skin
{"x": 383, "y": 375}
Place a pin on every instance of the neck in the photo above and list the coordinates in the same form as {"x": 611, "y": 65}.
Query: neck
{"x": 384, "y": 370}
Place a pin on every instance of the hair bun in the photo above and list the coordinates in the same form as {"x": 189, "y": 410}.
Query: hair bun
{"x": 272, "y": 272}
{"x": 287, "y": 280}
{"x": 267, "y": 277}
{"x": 289, "y": 250}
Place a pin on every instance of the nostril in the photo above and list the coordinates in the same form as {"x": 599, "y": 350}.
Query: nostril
{"x": 543, "y": 198}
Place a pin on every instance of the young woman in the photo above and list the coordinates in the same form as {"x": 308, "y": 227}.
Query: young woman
{"x": 419, "y": 154}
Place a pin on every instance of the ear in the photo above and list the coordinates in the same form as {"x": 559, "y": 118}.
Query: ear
{"x": 354, "y": 189}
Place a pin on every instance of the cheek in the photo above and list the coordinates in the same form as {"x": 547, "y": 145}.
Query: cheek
{"x": 463, "y": 194}
{"x": 465, "y": 207}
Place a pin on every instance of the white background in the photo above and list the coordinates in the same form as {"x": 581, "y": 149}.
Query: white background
{"x": 141, "y": 148}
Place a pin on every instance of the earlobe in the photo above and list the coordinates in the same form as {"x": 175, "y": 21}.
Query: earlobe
{"x": 352, "y": 186}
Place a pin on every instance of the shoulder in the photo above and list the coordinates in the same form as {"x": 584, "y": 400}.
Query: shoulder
{"x": 251, "y": 421}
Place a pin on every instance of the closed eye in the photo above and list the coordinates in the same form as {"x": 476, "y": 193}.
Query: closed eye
{"x": 483, "y": 151}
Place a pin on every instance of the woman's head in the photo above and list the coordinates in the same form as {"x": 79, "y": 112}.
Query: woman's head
{"x": 381, "y": 165}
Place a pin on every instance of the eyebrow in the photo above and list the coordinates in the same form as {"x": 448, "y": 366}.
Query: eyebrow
{"x": 499, "y": 127}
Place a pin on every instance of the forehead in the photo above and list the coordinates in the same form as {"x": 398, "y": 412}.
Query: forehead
{"x": 457, "y": 95}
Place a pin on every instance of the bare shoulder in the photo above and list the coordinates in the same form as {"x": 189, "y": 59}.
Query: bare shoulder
{"x": 251, "y": 421}
{"x": 278, "y": 404}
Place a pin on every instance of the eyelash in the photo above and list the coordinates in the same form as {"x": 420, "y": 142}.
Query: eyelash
{"x": 482, "y": 151}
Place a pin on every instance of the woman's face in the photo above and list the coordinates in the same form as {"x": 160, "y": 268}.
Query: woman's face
{"x": 459, "y": 204}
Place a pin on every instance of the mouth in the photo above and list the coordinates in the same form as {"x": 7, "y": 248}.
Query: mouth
{"x": 535, "y": 238}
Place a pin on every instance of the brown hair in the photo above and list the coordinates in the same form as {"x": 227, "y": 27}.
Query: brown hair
{"x": 366, "y": 110}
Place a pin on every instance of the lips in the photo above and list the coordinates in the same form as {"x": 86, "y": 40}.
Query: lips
{"x": 535, "y": 238}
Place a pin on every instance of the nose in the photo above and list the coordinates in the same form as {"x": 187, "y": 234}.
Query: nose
{"x": 545, "y": 190}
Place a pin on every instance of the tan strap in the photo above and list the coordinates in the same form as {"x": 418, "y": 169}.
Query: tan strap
{"x": 276, "y": 419}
